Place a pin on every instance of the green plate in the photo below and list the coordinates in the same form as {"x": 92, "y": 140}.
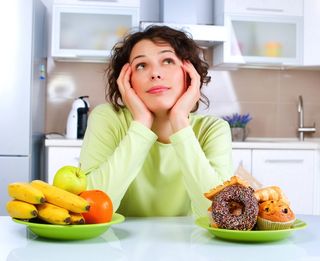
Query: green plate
{"x": 70, "y": 232}
{"x": 252, "y": 235}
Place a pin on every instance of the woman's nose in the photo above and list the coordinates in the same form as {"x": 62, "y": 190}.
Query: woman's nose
{"x": 155, "y": 76}
{"x": 155, "y": 73}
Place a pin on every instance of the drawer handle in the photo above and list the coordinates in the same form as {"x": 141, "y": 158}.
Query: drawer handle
{"x": 265, "y": 9}
{"x": 296, "y": 161}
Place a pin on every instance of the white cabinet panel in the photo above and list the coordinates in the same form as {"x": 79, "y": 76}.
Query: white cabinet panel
{"x": 292, "y": 170}
{"x": 311, "y": 37}
{"x": 58, "y": 157}
{"x": 241, "y": 156}
{"x": 277, "y": 7}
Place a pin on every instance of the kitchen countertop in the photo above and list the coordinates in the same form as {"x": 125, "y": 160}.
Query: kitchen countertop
{"x": 250, "y": 143}
{"x": 173, "y": 238}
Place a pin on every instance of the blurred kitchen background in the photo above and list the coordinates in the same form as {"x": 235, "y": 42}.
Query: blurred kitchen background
{"x": 263, "y": 56}
{"x": 269, "y": 94}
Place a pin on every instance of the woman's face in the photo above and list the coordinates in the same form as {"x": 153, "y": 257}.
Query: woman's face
{"x": 157, "y": 75}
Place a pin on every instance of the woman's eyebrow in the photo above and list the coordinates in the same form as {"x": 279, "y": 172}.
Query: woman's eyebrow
{"x": 161, "y": 52}
{"x": 136, "y": 57}
{"x": 167, "y": 51}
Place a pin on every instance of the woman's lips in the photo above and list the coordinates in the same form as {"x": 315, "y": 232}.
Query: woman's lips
{"x": 158, "y": 89}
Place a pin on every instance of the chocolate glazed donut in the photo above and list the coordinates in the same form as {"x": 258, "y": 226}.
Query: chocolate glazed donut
{"x": 235, "y": 207}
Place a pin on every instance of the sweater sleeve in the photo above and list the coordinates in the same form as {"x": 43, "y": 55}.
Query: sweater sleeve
{"x": 112, "y": 156}
{"x": 205, "y": 161}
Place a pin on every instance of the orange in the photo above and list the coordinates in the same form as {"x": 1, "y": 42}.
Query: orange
{"x": 101, "y": 208}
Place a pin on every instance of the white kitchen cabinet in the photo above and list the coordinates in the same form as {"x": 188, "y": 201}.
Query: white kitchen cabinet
{"x": 87, "y": 32}
{"x": 293, "y": 171}
{"x": 256, "y": 7}
{"x": 260, "y": 33}
{"x": 59, "y": 156}
{"x": 311, "y": 56}
{"x": 241, "y": 156}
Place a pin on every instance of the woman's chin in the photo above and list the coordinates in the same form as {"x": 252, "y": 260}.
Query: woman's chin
{"x": 160, "y": 108}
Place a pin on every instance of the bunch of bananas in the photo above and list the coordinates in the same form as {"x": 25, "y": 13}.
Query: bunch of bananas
{"x": 46, "y": 202}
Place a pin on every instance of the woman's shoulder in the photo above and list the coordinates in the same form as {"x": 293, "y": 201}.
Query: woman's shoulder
{"x": 106, "y": 112}
{"x": 206, "y": 121}
{"x": 205, "y": 126}
{"x": 107, "y": 109}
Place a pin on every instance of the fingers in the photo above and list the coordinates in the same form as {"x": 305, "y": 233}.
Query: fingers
{"x": 194, "y": 75}
{"x": 123, "y": 80}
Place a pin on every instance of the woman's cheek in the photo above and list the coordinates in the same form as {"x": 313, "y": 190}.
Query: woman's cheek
{"x": 133, "y": 82}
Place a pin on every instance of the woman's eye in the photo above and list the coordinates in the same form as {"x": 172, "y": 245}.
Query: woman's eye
{"x": 168, "y": 61}
{"x": 140, "y": 66}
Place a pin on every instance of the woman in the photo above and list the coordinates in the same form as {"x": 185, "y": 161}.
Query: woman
{"x": 146, "y": 149}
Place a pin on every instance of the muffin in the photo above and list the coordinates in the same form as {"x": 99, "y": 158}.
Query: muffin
{"x": 275, "y": 215}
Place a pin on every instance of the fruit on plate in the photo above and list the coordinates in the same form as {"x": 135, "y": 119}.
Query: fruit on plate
{"x": 25, "y": 192}
{"x": 70, "y": 178}
{"x": 76, "y": 218}
{"x": 20, "y": 209}
{"x": 101, "y": 207}
{"x": 53, "y": 214}
{"x": 62, "y": 198}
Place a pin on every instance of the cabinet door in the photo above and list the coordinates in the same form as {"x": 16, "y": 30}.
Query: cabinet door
{"x": 261, "y": 40}
{"x": 275, "y": 7}
{"x": 89, "y": 33}
{"x": 241, "y": 156}
{"x": 292, "y": 170}
{"x": 58, "y": 157}
{"x": 311, "y": 55}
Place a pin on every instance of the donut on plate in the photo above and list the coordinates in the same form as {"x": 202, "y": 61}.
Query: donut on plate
{"x": 234, "y": 205}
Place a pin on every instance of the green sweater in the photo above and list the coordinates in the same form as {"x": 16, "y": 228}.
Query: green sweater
{"x": 144, "y": 177}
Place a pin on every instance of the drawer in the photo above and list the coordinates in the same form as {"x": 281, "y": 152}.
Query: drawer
{"x": 58, "y": 157}
{"x": 292, "y": 170}
{"x": 272, "y": 7}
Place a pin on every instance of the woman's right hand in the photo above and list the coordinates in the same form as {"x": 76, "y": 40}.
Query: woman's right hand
{"x": 132, "y": 101}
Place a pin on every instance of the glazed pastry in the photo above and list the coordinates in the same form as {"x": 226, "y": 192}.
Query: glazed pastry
{"x": 270, "y": 193}
{"x": 233, "y": 181}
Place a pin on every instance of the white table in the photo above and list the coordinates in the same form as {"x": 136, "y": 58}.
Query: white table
{"x": 154, "y": 239}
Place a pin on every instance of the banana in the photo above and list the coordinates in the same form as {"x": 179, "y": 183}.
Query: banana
{"x": 53, "y": 214}
{"x": 25, "y": 192}
{"x": 20, "y": 209}
{"x": 62, "y": 198}
{"x": 76, "y": 218}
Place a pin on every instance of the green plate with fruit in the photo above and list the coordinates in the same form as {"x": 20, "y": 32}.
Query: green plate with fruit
{"x": 252, "y": 235}
{"x": 70, "y": 232}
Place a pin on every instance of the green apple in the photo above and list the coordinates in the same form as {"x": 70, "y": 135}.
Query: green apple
{"x": 71, "y": 178}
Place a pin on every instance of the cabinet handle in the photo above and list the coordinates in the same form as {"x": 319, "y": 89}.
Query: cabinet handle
{"x": 296, "y": 161}
{"x": 265, "y": 9}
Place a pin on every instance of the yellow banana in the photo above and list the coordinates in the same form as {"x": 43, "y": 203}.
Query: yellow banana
{"x": 22, "y": 210}
{"x": 53, "y": 214}
{"x": 62, "y": 198}
{"x": 25, "y": 192}
{"x": 76, "y": 218}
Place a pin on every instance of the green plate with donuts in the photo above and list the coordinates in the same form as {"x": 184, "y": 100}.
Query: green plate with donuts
{"x": 250, "y": 235}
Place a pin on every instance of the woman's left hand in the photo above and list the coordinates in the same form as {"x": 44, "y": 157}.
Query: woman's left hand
{"x": 179, "y": 114}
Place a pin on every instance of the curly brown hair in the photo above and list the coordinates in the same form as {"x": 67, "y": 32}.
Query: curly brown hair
{"x": 182, "y": 43}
